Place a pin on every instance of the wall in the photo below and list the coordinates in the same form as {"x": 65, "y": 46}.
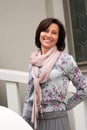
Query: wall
{"x": 18, "y": 21}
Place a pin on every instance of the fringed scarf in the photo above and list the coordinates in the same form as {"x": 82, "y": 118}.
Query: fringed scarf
{"x": 44, "y": 63}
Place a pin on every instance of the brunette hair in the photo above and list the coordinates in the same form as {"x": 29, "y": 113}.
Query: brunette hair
{"x": 44, "y": 24}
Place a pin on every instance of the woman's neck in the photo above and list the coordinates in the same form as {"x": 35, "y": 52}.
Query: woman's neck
{"x": 44, "y": 51}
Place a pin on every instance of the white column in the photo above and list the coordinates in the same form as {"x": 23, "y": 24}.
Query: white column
{"x": 13, "y": 97}
{"x": 79, "y": 117}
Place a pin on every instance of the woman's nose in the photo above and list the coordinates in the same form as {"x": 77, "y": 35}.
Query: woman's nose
{"x": 48, "y": 34}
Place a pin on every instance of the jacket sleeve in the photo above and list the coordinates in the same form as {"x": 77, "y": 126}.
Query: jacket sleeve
{"x": 75, "y": 75}
{"x": 26, "y": 105}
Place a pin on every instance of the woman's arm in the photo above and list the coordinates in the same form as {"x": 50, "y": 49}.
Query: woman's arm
{"x": 75, "y": 75}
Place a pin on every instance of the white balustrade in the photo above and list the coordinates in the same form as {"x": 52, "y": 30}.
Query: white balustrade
{"x": 12, "y": 79}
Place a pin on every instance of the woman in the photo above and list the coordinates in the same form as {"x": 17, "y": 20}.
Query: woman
{"x": 51, "y": 70}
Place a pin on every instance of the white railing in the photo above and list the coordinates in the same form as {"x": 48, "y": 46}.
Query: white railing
{"x": 12, "y": 79}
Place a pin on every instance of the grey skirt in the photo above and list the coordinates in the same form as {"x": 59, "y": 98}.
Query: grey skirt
{"x": 52, "y": 121}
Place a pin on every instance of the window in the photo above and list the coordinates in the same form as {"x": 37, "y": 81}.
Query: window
{"x": 78, "y": 13}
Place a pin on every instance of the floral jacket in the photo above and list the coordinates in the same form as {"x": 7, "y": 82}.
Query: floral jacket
{"x": 55, "y": 89}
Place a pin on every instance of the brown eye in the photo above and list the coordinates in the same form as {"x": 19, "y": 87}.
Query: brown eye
{"x": 54, "y": 32}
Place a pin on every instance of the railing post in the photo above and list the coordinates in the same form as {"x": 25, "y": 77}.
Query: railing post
{"x": 13, "y": 97}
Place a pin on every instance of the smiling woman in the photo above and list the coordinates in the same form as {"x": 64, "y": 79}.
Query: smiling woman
{"x": 51, "y": 70}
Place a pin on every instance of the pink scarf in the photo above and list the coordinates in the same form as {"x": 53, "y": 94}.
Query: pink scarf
{"x": 45, "y": 62}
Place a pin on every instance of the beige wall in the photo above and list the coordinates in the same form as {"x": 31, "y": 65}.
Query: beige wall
{"x": 18, "y": 21}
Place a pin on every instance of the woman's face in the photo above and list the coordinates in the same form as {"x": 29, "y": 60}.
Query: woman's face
{"x": 49, "y": 37}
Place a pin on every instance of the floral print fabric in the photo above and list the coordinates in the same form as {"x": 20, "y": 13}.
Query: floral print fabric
{"x": 54, "y": 90}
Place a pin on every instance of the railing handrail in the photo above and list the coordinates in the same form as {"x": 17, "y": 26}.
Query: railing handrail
{"x": 17, "y": 76}
{"x": 14, "y": 76}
